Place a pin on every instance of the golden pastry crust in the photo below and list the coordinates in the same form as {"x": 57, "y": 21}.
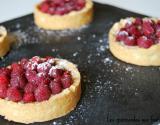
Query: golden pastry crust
{"x": 4, "y": 42}
{"x": 133, "y": 54}
{"x": 58, "y": 105}
{"x": 72, "y": 20}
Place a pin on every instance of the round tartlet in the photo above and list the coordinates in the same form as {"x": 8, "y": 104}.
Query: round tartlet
{"x": 72, "y": 20}
{"x": 58, "y": 105}
{"x": 133, "y": 54}
{"x": 4, "y": 42}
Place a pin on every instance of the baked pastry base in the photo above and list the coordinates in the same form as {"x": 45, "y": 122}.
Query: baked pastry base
{"x": 72, "y": 20}
{"x": 133, "y": 54}
{"x": 57, "y": 106}
{"x": 4, "y": 42}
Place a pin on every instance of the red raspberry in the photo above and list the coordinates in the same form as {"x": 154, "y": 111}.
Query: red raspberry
{"x": 138, "y": 21}
{"x": 134, "y": 31}
{"x": 80, "y": 4}
{"x": 31, "y": 66}
{"x": 121, "y": 35}
{"x": 28, "y": 97}
{"x": 16, "y": 68}
{"x": 4, "y": 81}
{"x": 56, "y": 86}
{"x": 42, "y": 93}
{"x": 144, "y": 42}
{"x": 31, "y": 76}
{"x": 130, "y": 41}
{"x": 14, "y": 94}
{"x": 36, "y": 59}
{"x": 66, "y": 80}
{"x": 18, "y": 80}
{"x": 44, "y": 7}
{"x": 5, "y": 72}
{"x": 23, "y": 62}
{"x": 30, "y": 87}
{"x": 3, "y": 91}
{"x": 42, "y": 80}
{"x": 158, "y": 30}
{"x": 56, "y": 73}
{"x": 147, "y": 27}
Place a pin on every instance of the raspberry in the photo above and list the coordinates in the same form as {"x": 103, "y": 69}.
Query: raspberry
{"x": 3, "y": 91}
{"x": 144, "y": 42}
{"x": 44, "y": 7}
{"x": 4, "y": 81}
{"x": 30, "y": 87}
{"x": 61, "y": 7}
{"x": 66, "y": 80}
{"x": 44, "y": 67}
{"x": 80, "y": 4}
{"x": 56, "y": 73}
{"x": 121, "y": 35}
{"x": 23, "y": 62}
{"x": 18, "y": 80}
{"x": 56, "y": 86}
{"x": 147, "y": 27}
{"x": 42, "y": 93}
{"x": 158, "y": 30}
{"x": 130, "y": 41}
{"x": 28, "y": 97}
{"x": 31, "y": 76}
{"x": 5, "y": 72}
{"x": 36, "y": 59}
{"x": 133, "y": 30}
{"x": 31, "y": 66}
{"x": 138, "y": 21}
{"x": 42, "y": 80}
{"x": 14, "y": 94}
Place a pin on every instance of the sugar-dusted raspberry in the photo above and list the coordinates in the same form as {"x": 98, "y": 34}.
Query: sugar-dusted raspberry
{"x": 31, "y": 76}
{"x": 130, "y": 41}
{"x": 144, "y": 42}
{"x": 23, "y": 62}
{"x": 44, "y": 67}
{"x": 55, "y": 72}
{"x": 56, "y": 86}
{"x": 66, "y": 80}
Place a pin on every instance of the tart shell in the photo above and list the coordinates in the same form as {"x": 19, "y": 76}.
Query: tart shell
{"x": 133, "y": 54}
{"x": 58, "y": 105}
{"x": 4, "y": 42}
{"x": 72, "y": 20}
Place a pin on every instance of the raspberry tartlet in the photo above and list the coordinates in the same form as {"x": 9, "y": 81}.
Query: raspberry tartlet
{"x": 38, "y": 89}
{"x": 63, "y": 14}
{"x": 4, "y": 42}
{"x": 136, "y": 41}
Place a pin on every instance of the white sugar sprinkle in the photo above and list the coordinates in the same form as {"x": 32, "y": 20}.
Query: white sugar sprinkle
{"x": 94, "y": 36}
{"x": 75, "y": 54}
{"x": 78, "y": 38}
{"x": 100, "y": 40}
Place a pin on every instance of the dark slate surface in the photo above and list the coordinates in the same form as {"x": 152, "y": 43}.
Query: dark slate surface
{"x": 114, "y": 93}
